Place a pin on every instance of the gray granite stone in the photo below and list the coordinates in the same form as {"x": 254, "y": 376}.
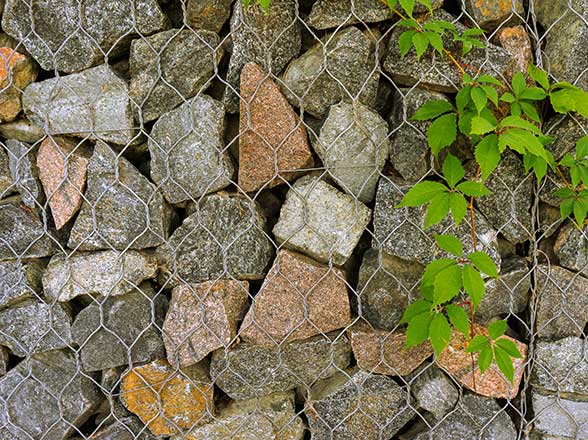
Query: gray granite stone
{"x": 208, "y": 14}
{"x": 188, "y": 158}
{"x": 571, "y": 247}
{"x": 20, "y": 280}
{"x": 564, "y": 418}
{"x": 24, "y": 173}
{"x": 339, "y": 67}
{"x": 22, "y": 130}
{"x": 434, "y": 392}
{"x": 6, "y": 185}
{"x": 128, "y": 428}
{"x": 169, "y": 67}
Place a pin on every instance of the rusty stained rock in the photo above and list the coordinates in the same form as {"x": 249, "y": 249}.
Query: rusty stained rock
{"x": 300, "y": 298}
{"x": 16, "y": 72}
{"x": 489, "y": 14}
{"x": 63, "y": 165}
{"x": 201, "y": 318}
{"x": 167, "y": 400}
{"x": 517, "y": 42}
{"x": 273, "y": 139}
{"x": 492, "y": 383}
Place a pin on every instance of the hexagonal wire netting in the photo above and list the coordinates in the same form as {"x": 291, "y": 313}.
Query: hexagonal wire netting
{"x": 199, "y": 237}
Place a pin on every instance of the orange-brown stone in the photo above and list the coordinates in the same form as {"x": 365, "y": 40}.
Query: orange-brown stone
{"x": 168, "y": 400}
{"x": 517, "y": 42}
{"x": 16, "y": 72}
{"x": 455, "y": 361}
{"x": 488, "y": 14}
{"x": 299, "y": 298}
{"x": 62, "y": 165}
{"x": 383, "y": 352}
{"x": 273, "y": 141}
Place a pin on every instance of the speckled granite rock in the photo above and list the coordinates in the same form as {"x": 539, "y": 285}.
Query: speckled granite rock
{"x": 571, "y": 247}
{"x": 16, "y": 72}
{"x": 355, "y": 404}
{"x": 270, "y": 40}
{"x": 224, "y": 236}
{"x": 489, "y": 14}
{"x": 50, "y": 31}
{"x": 128, "y": 428}
{"x": 20, "y": 280}
{"x": 121, "y": 329}
{"x": 169, "y": 67}
{"x": 272, "y": 138}
{"x": 560, "y": 418}
{"x": 117, "y": 190}
{"x": 248, "y": 371}
{"x": 202, "y": 318}
{"x": 22, "y": 130}
{"x": 434, "y": 392}
{"x": 6, "y": 185}
{"x": 353, "y": 145}
{"x": 351, "y": 73}
{"x": 24, "y": 173}
{"x": 46, "y": 397}
{"x": 300, "y": 298}
{"x": 208, "y": 14}
{"x": 321, "y": 221}
{"x": 93, "y": 104}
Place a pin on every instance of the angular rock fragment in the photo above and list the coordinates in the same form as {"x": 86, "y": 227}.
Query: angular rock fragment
{"x": 560, "y": 418}
{"x": 223, "y": 237}
{"x": 20, "y": 280}
{"x": 320, "y": 221}
{"x": 117, "y": 190}
{"x": 272, "y": 142}
{"x": 4, "y": 360}
{"x": 128, "y": 428}
{"x": 51, "y": 31}
{"x": 169, "y": 67}
{"x": 571, "y": 248}
{"x": 458, "y": 364}
{"x": 300, "y": 298}
{"x": 24, "y": 172}
{"x": 489, "y": 14}
{"x": 92, "y": 104}
{"x": 188, "y": 158}
{"x": 334, "y": 13}
{"x": 210, "y": 15}
{"x": 104, "y": 273}
{"x": 167, "y": 400}
{"x": 121, "y": 330}
{"x": 201, "y": 318}
{"x": 562, "y": 305}
{"x": 6, "y": 185}
{"x": 34, "y": 327}
{"x": 22, "y": 130}
{"x": 409, "y": 150}
{"x": 353, "y": 145}
{"x": 16, "y": 72}
{"x": 401, "y": 232}
{"x": 434, "y": 392}
{"x": 62, "y": 165}
{"x": 339, "y": 67}
{"x": 378, "y": 351}
{"x": 247, "y": 371}
{"x": 517, "y": 42}
{"x": 355, "y": 404}
{"x": 46, "y": 396}
{"x": 385, "y": 287}
{"x": 473, "y": 417}
{"x": 269, "y": 40}
{"x": 438, "y": 73}
{"x": 265, "y": 418}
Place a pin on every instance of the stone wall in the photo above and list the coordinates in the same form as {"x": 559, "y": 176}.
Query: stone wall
{"x": 199, "y": 236}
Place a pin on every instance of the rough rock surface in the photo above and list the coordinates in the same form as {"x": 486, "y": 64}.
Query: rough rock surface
{"x": 22, "y": 130}
{"x": 265, "y": 418}
{"x": 50, "y": 31}
{"x": 210, "y": 15}
{"x": 434, "y": 392}
{"x": 46, "y": 397}
{"x": 34, "y": 326}
{"x": 117, "y": 190}
{"x": 168, "y": 401}
{"x": 562, "y": 306}
{"x": 401, "y": 232}
{"x": 489, "y": 14}
{"x": 560, "y": 417}
{"x": 320, "y": 221}
{"x": 517, "y": 42}
{"x": 62, "y": 165}
{"x": 300, "y": 298}
{"x": 385, "y": 287}
{"x": 16, "y": 72}
{"x": 24, "y": 172}
{"x": 6, "y": 185}
{"x": 571, "y": 247}
{"x": 354, "y": 404}
{"x": 492, "y": 383}
{"x": 272, "y": 142}
{"x": 353, "y": 145}
{"x": 224, "y": 237}
{"x": 127, "y": 428}
{"x": 409, "y": 151}
{"x": 269, "y": 40}
{"x": 351, "y": 74}
{"x": 20, "y": 280}
{"x": 169, "y": 67}
{"x": 92, "y": 104}
{"x": 186, "y": 145}
{"x": 378, "y": 351}
{"x": 473, "y": 417}
{"x": 121, "y": 329}
{"x": 248, "y": 371}
{"x": 436, "y": 73}
{"x": 201, "y": 318}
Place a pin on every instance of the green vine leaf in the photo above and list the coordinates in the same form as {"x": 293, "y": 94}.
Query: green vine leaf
{"x": 473, "y": 284}
{"x": 417, "y": 330}
{"x": 452, "y": 170}
{"x": 487, "y": 155}
{"x": 449, "y": 244}
{"x": 442, "y": 133}
{"x": 431, "y": 110}
{"x": 496, "y": 329}
{"x": 458, "y": 318}
{"x": 447, "y": 285}
{"x": 483, "y": 263}
{"x": 423, "y": 192}
{"x": 439, "y": 333}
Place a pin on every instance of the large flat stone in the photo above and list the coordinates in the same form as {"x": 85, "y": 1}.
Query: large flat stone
{"x": 565, "y": 419}
{"x": 24, "y": 173}
{"x": 320, "y": 221}
{"x": 247, "y": 371}
{"x": 92, "y": 104}
{"x": 22, "y": 130}
{"x": 20, "y": 280}
{"x": 434, "y": 391}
